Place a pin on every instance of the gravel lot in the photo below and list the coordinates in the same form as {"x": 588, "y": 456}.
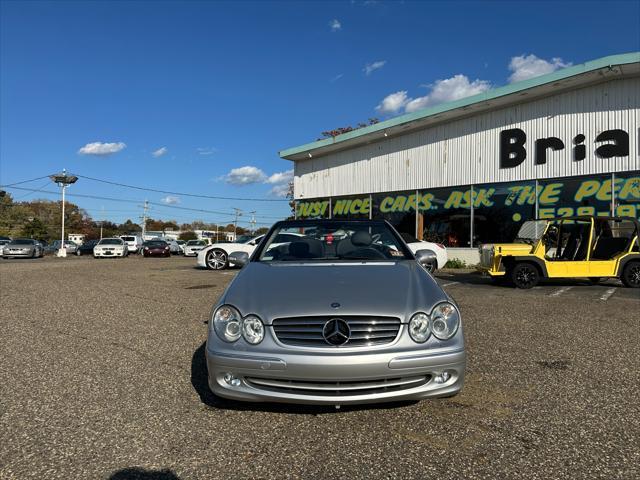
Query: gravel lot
{"x": 102, "y": 375}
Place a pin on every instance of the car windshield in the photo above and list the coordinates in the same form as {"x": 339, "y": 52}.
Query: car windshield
{"x": 244, "y": 238}
{"x": 23, "y": 241}
{"x": 195, "y": 242}
{"x": 110, "y": 241}
{"x": 531, "y": 230}
{"x": 128, "y": 239}
{"x": 330, "y": 241}
{"x": 155, "y": 243}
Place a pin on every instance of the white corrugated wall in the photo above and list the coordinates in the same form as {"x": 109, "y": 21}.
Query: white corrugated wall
{"x": 465, "y": 151}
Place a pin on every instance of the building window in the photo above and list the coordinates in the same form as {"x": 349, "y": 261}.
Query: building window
{"x": 399, "y": 209}
{"x": 568, "y": 197}
{"x": 627, "y": 194}
{"x": 444, "y": 216}
{"x": 500, "y": 209}
{"x": 355, "y": 207}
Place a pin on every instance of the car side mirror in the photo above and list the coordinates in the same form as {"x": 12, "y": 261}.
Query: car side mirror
{"x": 428, "y": 259}
{"x": 239, "y": 258}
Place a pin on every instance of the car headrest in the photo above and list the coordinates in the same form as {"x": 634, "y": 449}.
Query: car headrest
{"x": 299, "y": 249}
{"x": 361, "y": 239}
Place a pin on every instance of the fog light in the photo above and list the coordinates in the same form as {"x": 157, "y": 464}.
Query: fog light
{"x": 442, "y": 377}
{"x": 231, "y": 380}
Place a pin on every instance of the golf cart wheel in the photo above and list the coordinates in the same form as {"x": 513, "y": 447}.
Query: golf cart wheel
{"x": 217, "y": 259}
{"x": 631, "y": 275}
{"x": 525, "y": 275}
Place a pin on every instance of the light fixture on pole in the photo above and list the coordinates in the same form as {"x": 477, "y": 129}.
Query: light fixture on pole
{"x": 63, "y": 180}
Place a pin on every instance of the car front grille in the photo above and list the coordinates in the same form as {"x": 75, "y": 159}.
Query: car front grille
{"x": 335, "y": 389}
{"x": 308, "y": 331}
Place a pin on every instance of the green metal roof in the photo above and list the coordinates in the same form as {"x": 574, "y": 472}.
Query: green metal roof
{"x": 604, "y": 62}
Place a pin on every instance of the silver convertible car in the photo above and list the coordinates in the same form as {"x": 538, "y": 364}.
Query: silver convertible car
{"x": 325, "y": 321}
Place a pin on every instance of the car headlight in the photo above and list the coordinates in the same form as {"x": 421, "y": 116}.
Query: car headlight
{"x": 252, "y": 329}
{"x": 226, "y": 322}
{"x": 445, "y": 320}
{"x": 419, "y": 327}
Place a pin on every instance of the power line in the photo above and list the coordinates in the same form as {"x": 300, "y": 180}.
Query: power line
{"x": 212, "y": 197}
{"x": 137, "y": 202}
{"x": 164, "y": 205}
{"x": 24, "y": 181}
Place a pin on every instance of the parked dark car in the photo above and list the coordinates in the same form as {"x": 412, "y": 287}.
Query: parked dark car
{"x": 156, "y": 248}
{"x": 87, "y": 247}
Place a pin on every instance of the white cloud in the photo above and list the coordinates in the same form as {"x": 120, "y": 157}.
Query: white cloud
{"x": 448, "y": 90}
{"x": 160, "y": 152}
{"x": 206, "y": 150}
{"x": 337, "y": 77}
{"x": 170, "y": 200}
{"x": 524, "y": 67}
{"x": 442, "y": 91}
{"x": 246, "y": 175}
{"x": 393, "y": 103}
{"x": 335, "y": 25}
{"x": 281, "y": 177}
{"x": 102, "y": 149}
{"x": 371, "y": 67}
{"x": 279, "y": 190}
{"x": 249, "y": 175}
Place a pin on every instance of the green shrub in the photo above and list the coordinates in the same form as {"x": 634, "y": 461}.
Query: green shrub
{"x": 455, "y": 263}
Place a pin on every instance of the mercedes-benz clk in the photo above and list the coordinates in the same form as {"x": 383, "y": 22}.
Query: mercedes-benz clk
{"x": 325, "y": 321}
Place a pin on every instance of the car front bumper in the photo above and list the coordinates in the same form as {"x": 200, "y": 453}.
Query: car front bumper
{"x": 22, "y": 254}
{"x": 100, "y": 253}
{"x": 336, "y": 379}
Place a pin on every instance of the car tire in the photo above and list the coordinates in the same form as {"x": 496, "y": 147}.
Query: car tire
{"x": 631, "y": 275}
{"x": 217, "y": 259}
{"x": 524, "y": 275}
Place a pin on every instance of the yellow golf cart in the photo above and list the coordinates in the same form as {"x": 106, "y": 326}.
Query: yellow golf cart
{"x": 567, "y": 247}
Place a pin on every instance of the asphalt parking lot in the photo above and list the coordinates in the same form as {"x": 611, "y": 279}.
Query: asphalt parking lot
{"x": 102, "y": 375}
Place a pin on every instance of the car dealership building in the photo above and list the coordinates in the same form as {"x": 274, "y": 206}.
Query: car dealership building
{"x": 471, "y": 171}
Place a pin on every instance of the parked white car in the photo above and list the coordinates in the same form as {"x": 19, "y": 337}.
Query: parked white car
{"x": 181, "y": 244}
{"x": 437, "y": 248}
{"x": 110, "y": 247}
{"x": 134, "y": 242}
{"x": 216, "y": 256}
{"x": 192, "y": 247}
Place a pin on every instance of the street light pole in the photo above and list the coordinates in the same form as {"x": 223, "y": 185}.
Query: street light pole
{"x": 63, "y": 180}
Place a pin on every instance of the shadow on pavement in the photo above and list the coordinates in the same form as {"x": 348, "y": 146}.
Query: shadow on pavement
{"x": 199, "y": 380}
{"x": 137, "y": 473}
{"x": 477, "y": 278}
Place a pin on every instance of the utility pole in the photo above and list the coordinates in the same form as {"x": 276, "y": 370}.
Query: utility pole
{"x": 253, "y": 221}
{"x": 101, "y": 220}
{"x": 235, "y": 223}
{"x": 144, "y": 218}
{"x": 63, "y": 180}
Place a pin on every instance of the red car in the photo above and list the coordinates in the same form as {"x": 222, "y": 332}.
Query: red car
{"x": 156, "y": 248}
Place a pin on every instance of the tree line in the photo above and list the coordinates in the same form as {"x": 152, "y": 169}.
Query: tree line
{"x": 41, "y": 219}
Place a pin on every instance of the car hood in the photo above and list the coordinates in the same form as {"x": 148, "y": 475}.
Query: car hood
{"x": 276, "y": 290}
{"x": 17, "y": 245}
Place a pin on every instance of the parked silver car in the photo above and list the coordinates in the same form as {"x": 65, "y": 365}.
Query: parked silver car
{"x": 22, "y": 248}
{"x": 354, "y": 321}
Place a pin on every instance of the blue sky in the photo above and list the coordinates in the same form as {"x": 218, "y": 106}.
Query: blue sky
{"x": 221, "y": 86}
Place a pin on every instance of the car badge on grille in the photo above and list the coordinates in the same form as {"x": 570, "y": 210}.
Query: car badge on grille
{"x": 336, "y": 332}
{"x": 335, "y": 305}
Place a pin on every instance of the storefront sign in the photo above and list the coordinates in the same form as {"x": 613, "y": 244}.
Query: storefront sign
{"x": 513, "y": 151}
{"x": 552, "y": 199}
